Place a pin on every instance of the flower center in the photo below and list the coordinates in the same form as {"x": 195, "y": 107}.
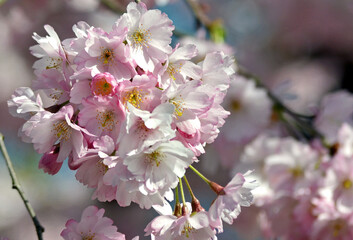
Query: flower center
{"x": 62, "y": 130}
{"x": 88, "y": 237}
{"x": 347, "y": 184}
{"x": 297, "y": 172}
{"x": 179, "y": 108}
{"x": 154, "y": 157}
{"x": 56, "y": 94}
{"x": 54, "y": 63}
{"x": 106, "y": 120}
{"x": 101, "y": 87}
{"x": 102, "y": 168}
{"x": 187, "y": 229}
{"x": 337, "y": 228}
{"x": 107, "y": 56}
{"x": 140, "y": 37}
{"x": 134, "y": 97}
{"x": 172, "y": 69}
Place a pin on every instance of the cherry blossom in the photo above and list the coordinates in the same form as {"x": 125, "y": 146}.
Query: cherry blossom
{"x": 92, "y": 226}
{"x": 149, "y": 34}
{"x": 194, "y": 226}
{"x": 227, "y": 206}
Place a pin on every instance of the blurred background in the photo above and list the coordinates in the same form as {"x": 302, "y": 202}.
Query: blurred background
{"x": 305, "y": 44}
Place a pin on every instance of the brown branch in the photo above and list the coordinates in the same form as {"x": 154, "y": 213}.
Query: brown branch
{"x": 114, "y": 6}
{"x": 199, "y": 13}
{"x": 16, "y": 185}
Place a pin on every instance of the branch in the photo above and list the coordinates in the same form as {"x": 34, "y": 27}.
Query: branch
{"x": 200, "y": 15}
{"x": 299, "y": 118}
{"x": 2, "y": 2}
{"x": 16, "y": 185}
{"x": 114, "y": 6}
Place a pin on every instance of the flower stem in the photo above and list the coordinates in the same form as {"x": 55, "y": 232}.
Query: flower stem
{"x": 188, "y": 185}
{"x": 182, "y": 192}
{"x": 177, "y": 207}
{"x": 176, "y": 193}
{"x": 200, "y": 174}
{"x": 16, "y": 185}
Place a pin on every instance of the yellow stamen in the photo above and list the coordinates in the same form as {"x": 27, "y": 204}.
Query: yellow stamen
{"x": 337, "y": 228}
{"x": 179, "y": 107}
{"x": 89, "y": 237}
{"x": 140, "y": 37}
{"x": 107, "y": 56}
{"x": 154, "y": 157}
{"x": 134, "y": 97}
{"x": 56, "y": 94}
{"x": 172, "y": 70}
{"x": 106, "y": 120}
{"x": 297, "y": 172}
{"x": 187, "y": 230}
{"x": 54, "y": 63}
{"x": 62, "y": 130}
{"x": 347, "y": 184}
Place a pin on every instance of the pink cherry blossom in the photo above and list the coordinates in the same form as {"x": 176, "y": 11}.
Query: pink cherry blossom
{"x": 103, "y": 84}
{"x": 250, "y": 110}
{"x": 94, "y": 164}
{"x": 331, "y": 223}
{"x": 144, "y": 129}
{"x": 48, "y": 161}
{"x": 227, "y": 206}
{"x": 128, "y": 189}
{"x": 193, "y": 226}
{"x": 339, "y": 180}
{"x": 141, "y": 92}
{"x": 255, "y": 156}
{"x": 53, "y": 85}
{"x": 190, "y": 101}
{"x": 51, "y": 52}
{"x": 214, "y": 118}
{"x": 179, "y": 68}
{"x": 102, "y": 117}
{"x": 159, "y": 166}
{"x": 330, "y": 117}
{"x": 292, "y": 169}
{"x": 49, "y": 129}
{"x": 92, "y": 226}
{"x": 149, "y": 34}
{"x": 24, "y": 103}
{"x": 344, "y": 140}
{"x": 111, "y": 53}
{"x": 217, "y": 70}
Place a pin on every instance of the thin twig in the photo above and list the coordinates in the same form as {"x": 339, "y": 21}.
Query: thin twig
{"x": 2, "y": 2}
{"x": 200, "y": 15}
{"x": 114, "y": 6}
{"x": 279, "y": 104}
{"x": 16, "y": 185}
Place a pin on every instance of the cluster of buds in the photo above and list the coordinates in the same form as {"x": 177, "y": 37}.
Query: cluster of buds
{"x": 131, "y": 114}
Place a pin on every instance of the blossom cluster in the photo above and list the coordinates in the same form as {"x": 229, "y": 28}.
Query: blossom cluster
{"x": 131, "y": 114}
{"x": 306, "y": 188}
